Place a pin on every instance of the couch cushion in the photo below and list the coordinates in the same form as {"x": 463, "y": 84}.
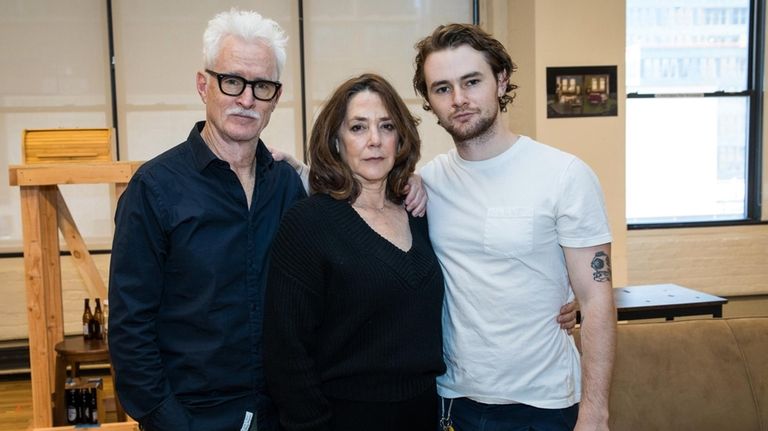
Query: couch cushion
{"x": 684, "y": 375}
{"x": 752, "y": 336}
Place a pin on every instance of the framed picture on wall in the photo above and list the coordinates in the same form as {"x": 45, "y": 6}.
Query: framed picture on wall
{"x": 581, "y": 91}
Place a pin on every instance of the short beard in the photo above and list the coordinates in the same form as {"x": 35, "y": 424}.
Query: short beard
{"x": 482, "y": 127}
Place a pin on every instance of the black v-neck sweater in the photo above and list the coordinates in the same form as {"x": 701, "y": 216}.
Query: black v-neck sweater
{"x": 348, "y": 315}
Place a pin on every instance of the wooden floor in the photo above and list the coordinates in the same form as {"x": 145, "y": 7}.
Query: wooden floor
{"x": 16, "y": 402}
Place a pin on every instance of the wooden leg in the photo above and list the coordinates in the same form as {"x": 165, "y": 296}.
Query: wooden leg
{"x": 59, "y": 399}
{"x": 43, "y": 286}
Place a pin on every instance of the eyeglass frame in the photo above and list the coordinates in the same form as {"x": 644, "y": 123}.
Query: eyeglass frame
{"x": 246, "y": 83}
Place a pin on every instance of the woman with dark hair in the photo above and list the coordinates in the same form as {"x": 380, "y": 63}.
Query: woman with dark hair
{"x": 352, "y": 333}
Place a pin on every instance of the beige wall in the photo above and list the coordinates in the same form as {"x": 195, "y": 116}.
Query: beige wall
{"x": 13, "y": 323}
{"x": 543, "y": 34}
{"x": 725, "y": 261}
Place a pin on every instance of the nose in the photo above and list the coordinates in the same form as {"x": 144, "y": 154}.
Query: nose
{"x": 374, "y": 138}
{"x": 246, "y": 99}
{"x": 459, "y": 98}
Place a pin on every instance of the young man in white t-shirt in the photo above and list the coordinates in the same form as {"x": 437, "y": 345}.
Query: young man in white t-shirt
{"x": 519, "y": 229}
{"x": 512, "y": 221}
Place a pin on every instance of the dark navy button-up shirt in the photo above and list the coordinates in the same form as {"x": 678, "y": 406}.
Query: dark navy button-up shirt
{"x": 187, "y": 279}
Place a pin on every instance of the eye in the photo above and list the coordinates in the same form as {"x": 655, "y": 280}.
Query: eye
{"x": 388, "y": 127}
{"x": 357, "y": 127}
{"x": 472, "y": 82}
{"x": 232, "y": 81}
{"x": 441, "y": 90}
{"x": 261, "y": 85}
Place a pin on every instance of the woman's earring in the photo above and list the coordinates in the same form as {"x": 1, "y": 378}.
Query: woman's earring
{"x": 337, "y": 145}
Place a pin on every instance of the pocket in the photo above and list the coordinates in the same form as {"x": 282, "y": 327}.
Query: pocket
{"x": 508, "y": 231}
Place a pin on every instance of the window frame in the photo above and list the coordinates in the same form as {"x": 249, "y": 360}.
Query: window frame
{"x": 754, "y": 93}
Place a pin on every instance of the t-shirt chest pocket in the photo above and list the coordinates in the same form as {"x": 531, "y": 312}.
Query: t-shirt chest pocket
{"x": 508, "y": 231}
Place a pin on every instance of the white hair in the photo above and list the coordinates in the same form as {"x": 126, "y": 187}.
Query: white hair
{"x": 249, "y": 26}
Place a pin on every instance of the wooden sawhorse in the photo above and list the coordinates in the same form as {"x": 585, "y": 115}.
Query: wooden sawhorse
{"x": 44, "y": 213}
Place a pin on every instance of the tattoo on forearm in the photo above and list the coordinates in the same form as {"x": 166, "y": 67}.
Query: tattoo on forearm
{"x": 601, "y": 264}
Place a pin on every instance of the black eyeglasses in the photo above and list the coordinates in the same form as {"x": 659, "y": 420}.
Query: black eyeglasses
{"x": 233, "y": 85}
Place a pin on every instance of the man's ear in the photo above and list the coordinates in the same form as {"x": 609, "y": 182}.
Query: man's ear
{"x": 202, "y": 86}
{"x": 502, "y": 80}
{"x": 277, "y": 98}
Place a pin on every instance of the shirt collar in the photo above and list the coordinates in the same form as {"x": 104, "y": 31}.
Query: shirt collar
{"x": 204, "y": 156}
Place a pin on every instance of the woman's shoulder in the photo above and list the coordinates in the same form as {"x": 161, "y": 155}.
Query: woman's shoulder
{"x": 312, "y": 224}
{"x": 316, "y": 210}
{"x": 421, "y": 221}
{"x": 315, "y": 203}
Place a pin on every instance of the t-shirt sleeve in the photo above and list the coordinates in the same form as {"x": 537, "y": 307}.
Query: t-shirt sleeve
{"x": 581, "y": 218}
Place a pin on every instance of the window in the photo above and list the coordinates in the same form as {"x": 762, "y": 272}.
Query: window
{"x": 56, "y": 77}
{"x": 694, "y": 84}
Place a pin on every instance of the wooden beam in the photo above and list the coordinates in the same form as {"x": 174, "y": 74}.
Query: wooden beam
{"x": 119, "y": 189}
{"x": 43, "y": 285}
{"x": 84, "y": 263}
{"x": 71, "y": 173}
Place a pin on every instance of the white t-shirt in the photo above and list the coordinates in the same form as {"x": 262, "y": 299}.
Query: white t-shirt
{"x": 497, "y": 227}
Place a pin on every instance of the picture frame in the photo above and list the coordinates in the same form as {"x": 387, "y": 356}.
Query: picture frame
{"x": 582, "y": 91}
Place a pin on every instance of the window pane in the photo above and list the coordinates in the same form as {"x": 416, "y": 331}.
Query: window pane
{"x": 159, "y": 49}
{"x": 344, "y": 38}
{"x": 676, "y": 46}
{"x": 55, "y": 74}
{"x": 686, "y": 159}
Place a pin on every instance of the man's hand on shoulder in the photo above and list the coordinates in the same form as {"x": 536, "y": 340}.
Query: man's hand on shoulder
{"x": 416, "y": 200}
{"x": 301, "y": 168}
{"x": 283, "y": 156}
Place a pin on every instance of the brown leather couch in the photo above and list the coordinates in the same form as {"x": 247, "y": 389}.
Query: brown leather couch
{"x": 698, "y": 375}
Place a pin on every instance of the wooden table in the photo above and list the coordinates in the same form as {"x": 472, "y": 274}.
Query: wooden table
{"x": 656, "y": 301}
{"x": 44, "y": 213}
{"x": 73, "y": 352}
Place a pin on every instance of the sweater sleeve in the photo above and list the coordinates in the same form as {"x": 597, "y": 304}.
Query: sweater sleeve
{"x": 293, "y": 308}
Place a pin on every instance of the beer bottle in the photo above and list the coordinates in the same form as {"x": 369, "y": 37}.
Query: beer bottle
{"x": 71, "y": 399}
{"x": 77, "y": 395}
{"x": 85, "y": 406}
{"x": 94, "y": 407}
{"x": 98, "y": 318}
{"x": 87, "y": 317}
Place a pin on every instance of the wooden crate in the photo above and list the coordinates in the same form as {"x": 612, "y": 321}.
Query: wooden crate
{"x": 40, "y": 146}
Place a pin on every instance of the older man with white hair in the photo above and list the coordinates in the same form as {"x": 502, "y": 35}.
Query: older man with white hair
{"x": 189, "y": 257}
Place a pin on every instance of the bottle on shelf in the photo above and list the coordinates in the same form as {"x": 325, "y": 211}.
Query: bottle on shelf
{"x": 94, "y": 406}
{"x": 87, "y": 317}
{"x": 85, "y": 406}
{"x": 97, "y": 326}
{"x": 72, "y": 403}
